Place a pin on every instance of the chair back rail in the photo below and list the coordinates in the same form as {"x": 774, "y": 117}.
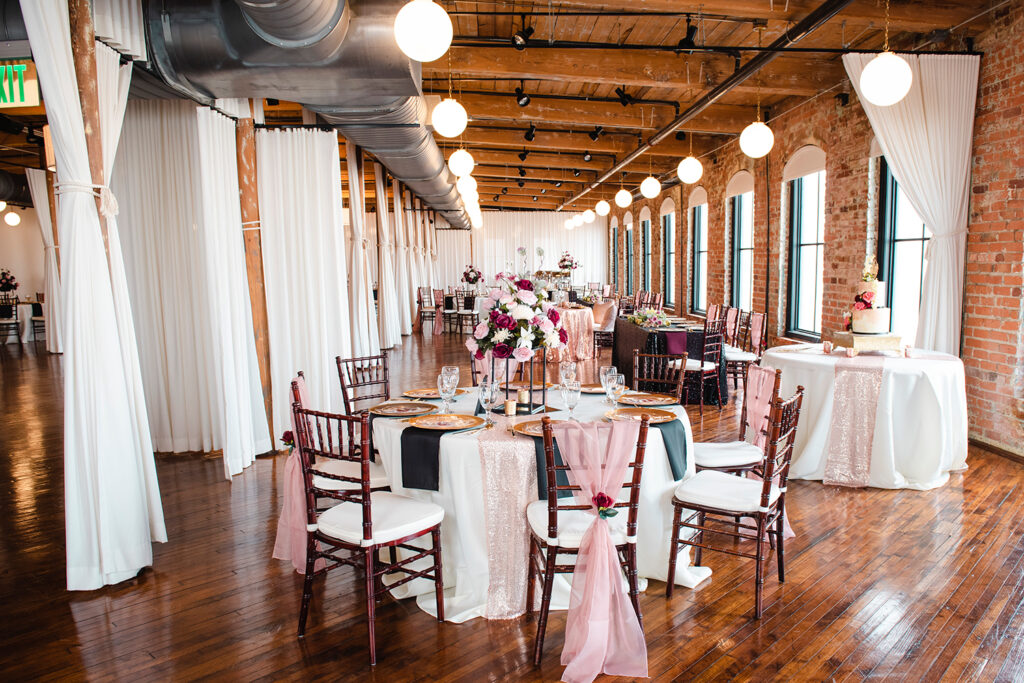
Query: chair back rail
{"x": 356, "y": 374}
{"x": 779, "y": 456}
{"x": 713, "y": 338}
{"x": 665, "y": 370}
{"x": 750, "y": 397}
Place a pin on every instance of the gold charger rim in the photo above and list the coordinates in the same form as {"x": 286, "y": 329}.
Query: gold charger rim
{"x": 522, "y": 384}
{"x": 657, "y": 415}
{"x": 519, "y": 427}
{"x": 591, "y": 388}
{"x": 475, "y": 421}
{"x": 458, "y": 392}
{"x": 670, "y": 399}
{"x": 427, "y": 408}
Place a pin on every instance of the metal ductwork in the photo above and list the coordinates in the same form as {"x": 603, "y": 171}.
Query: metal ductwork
{"x": 337, "y": 57}
{"x": 14, "y": 189}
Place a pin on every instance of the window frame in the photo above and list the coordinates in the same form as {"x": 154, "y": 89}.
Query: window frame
{"x": 887, "y": 221}
{"x": 629, "y": 259}
{"x": 698, "y": 228}
{"x": 615, "y": 256}
{"x": 795, "y": 231}
{"x": 645, "y": 254}
{"x": 736, "y": 206}
{"x": 668, "y": 258}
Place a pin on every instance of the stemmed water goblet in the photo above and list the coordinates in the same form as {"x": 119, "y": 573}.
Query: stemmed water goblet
{"x": 489, "y": 394}
{"x": 616, "y": 388}
{"x": 603, "y": 374}
{"x": 567, "y": 371}
{"x": 571, "y": 396}
{"x": 446, "y": 386}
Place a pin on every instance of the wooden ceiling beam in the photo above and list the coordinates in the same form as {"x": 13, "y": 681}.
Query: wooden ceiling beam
{"x": 574, "y": 144}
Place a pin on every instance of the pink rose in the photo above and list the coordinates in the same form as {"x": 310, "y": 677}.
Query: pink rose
{"x": 472, "y": 345}
{"x": 527, "y": 297}
{"x": 546, "y": 326}
{"x": 481, "y": 331}
{"x": 860, "y": 305}
{"x": 495, "y": 294}
{"x": 868, "y": 296}
{"x": 522, "y": 354}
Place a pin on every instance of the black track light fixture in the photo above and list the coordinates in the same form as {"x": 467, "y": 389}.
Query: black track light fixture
{"x": 495, "y": 197}
{"x": 522, "y": 155}
{"x": 504, "y": 190}
{"x": 558, "y": 183}
{"x": 534, "y": 197}
{"x": 521, "y": 38}
{"x": 522, "y": 99}
{"x": 576, "y": 172}
{"x": 689, "y": 43}
{"x": 587, "y": 156}
{"x": 521, "y": 183}
{"x": 625, "y": 99}
{"x": 530, "y": 133}
{"x": 681, "y": 135}
{"x": 522, "y": 172}
{"x": 596, "y": 133}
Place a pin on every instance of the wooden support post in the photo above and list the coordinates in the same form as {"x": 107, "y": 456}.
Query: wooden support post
{"x": 249, "y": 199}
{"x": 46, "y": 153}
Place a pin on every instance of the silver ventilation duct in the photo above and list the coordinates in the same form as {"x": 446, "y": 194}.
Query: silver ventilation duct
{"x": 338, "y": 58}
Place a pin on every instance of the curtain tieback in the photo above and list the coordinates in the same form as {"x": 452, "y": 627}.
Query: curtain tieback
{"x": 108, "y": 202}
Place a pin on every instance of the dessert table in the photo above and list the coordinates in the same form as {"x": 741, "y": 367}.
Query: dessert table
{"x": 877, "y": 420}
{"x": 486, "y": 478}
{"x": 579, "y": 325}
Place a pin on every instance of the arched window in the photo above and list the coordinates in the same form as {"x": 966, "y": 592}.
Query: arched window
{"x": 698, "y": 209}
{"x": 668, "y": 250}
{"x": 804, "y": 174}
{"x": 645, "y": 247}
{"x": 739, "y": 194}
{"x": 615, "y": 252}
{"x": 627, "y": 225}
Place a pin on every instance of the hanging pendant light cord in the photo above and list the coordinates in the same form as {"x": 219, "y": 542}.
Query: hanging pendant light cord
{"x": 886, "y": 45}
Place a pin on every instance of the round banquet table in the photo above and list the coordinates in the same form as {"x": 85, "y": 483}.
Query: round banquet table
{"x": 920, "y": 421}
{"x": 24, "y": 324}
{"x": 484, "y": 559}
{"x": 579, "y": 325}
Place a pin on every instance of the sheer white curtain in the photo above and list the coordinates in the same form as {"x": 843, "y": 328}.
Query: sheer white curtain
{"x": 412, "y": 227}
{"x": 299, "y": 181}
{"x": 406, "y": 292}
{"x": 454, "y": 255}
{"x": 365, "y": 340}
{"x": 119, "y": 23}
{"x": 926, "y": 139}
{"x": 494, "y": 246}
{"x": 111, "y": 494}
{"x": 435, "y": 276}
{"x": 387, "y": 294}
{"x": 51, "y": 283}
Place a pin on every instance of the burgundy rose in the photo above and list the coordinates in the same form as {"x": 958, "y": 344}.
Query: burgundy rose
{"x": 563, "y": 336}
{"x": 524, "y": 284}
{"x": 505, "y": 321}
{"x": 494, "y": 314}
{"x": 502, "y": 351}
{"x": 479, "y": 355}
{"x": 288, "y": 439}
{"x": 604, "y": 504}
{"x": 553, "y": 316}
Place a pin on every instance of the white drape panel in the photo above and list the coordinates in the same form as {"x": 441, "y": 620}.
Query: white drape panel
{"x": 423, "y": 249}
{"x": 119, "y": 23}
{"x": 299, "y": 182}
{"x": 926, "y": 139}
{"x": 371, "y": 245}
{"x": 454, "y": 255}
{"x": 51, "y": 283}
{"x": 111, "y": 494}
{"x": 412, "y": 226}
{"x": 435, "y": 276}
{"x": 494, "y": 246}
{"x": 365, "y": 340}
{"x": 235, "y": 106}
{"x": 387, "y": 294}
{"x": 406, "y": 293}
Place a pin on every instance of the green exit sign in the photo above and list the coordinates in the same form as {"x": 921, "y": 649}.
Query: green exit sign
{"x": 19, "y": 86}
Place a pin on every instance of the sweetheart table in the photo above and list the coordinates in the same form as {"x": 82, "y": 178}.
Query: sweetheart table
{"x": 884, "y": 420}
{"x": 486, "y": 480}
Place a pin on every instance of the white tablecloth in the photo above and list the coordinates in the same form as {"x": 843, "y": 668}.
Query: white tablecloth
{"x": 920, "y": 422}
{"x": 464, "y": 534}
{"x": 24, "y": 325}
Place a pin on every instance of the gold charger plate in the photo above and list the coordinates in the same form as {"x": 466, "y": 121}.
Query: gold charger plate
{"x": 406, "y": 409}
{"x": 446, "y": 422}
{"x": 657, "y": 416}
{"x": 648, "y": 399}
{"x": 526, "y": 385}
{"x": 532, "y": 428}
{"x": 591, "y": 388}
{"x": 428, "y": 392}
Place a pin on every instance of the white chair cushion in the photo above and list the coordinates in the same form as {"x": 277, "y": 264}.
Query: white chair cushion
{"x": 450, "y": 310}
{"x": 722, "y": 491}
{"x": 39, "y": 318}
{"x": 394, "y": 517}
{"x": 733, "y": 354}
{"x": 346, "y": 468}
{"x": 694, "y": 365}
{"x": 466, "y": 311}
{"x": 729, "y": 454}
{"x": 572, "y": 524}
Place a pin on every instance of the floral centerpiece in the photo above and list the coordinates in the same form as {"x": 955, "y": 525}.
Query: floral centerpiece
{"x": 520, "y": 320}
{"x": 8, "y": 283}
{"x": 472, "y": 275}
{"x": 591, "y": 298}
{"x": 650, "y": 318}
{"x": 567, "y": 262}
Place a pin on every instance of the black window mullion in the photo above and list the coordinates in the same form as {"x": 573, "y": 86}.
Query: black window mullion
{"x": 795, "y": 238}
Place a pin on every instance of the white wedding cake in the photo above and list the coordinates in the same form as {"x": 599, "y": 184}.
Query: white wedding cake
{"x": 869, "y": 314}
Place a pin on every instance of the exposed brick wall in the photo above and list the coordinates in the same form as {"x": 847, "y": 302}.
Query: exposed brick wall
{"x": 993, "y": 332}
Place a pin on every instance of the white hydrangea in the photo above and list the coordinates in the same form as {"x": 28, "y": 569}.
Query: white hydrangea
{"x": 501, "y": 335}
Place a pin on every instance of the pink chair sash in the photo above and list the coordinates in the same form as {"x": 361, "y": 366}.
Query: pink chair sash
{"x": 601, "y": 312}
{"x": 290, "y": 543}
{"x": 732, "y": 316}
{"x": 757, "y": 397}
{"x": 756, "y": 332}
{"x": 602, "y": 632}
{"x": 713, "y": 311}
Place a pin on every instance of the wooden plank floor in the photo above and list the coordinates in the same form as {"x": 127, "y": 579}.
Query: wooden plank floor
{"x": 903, "y": 585}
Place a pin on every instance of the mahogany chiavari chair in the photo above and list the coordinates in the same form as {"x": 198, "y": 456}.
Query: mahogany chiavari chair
{"x": 557, "y": 525}
{"x": 9, "y": 317}
{"x": 714, "y": 499}
{"x": 700, "y": 371}
{"x": 661, "y": 370}
{"x": 657, "y": 301}
{"x": 594, "y": 287}
{"x": 760, "y": 389}
{"x": 714, "y": 311}
{"x": 351, "y": 525}
{"x": 425, "y": 305}
{"x": 749, "y": 348}
{"x": 364, "y": 379}
{"x": 468, "y": 316}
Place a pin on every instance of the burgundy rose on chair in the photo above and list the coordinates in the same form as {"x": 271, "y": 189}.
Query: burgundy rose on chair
{"x": 288, "y": 439}
{"x": 604, "y": 504}
{"x": 502, "y": 350}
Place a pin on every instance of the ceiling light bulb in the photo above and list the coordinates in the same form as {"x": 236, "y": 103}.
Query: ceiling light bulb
{"x": 449, "y": 118}
{"x": 690, "y": 170}
{"x": 423, "y": 30}
{"x": 886, "y": 79}
{"x": 603, "y": 208}
{"x": 471, "y": 196}
{"x": 756, "y": 140}
{"x": 577, "y": 220}
{"x": 569, "y": 224}
{"x": 461, "y": 163}
{"x": 3, "y": 205}
{"x": 587, "y": 156}
{"x": 589, "y": 216}
{"x": 623, "y": 198}
{"x": 650, "y": 187}
{"x": 12, "y": 219}
{"x": 466, "y": 184}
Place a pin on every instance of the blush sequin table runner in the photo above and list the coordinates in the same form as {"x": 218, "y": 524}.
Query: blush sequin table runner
{"x": 858, "y": 383}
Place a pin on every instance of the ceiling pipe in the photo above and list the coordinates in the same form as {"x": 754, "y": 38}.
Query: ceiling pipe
{"x": 799, "y": 31}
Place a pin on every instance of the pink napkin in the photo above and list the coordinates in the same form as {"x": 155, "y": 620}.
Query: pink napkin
{"x": 602, "y": 631}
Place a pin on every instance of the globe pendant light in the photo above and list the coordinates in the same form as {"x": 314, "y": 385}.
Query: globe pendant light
{"x": 650, "y": 187}
{"x": 690, "y": 170}
{"x": 423, "y": 30}
{"x": 12, "y": 219}
{"x": 461, "y": 162}
{"x": 466, "y": 183}
{"x": 757, "y": 140}
{"x": 449, "y": 118}
{"x": 589, "y": 216}
{"x": 3, "y": 205}
{"x": 603, "y": 208}
{"x": 623, "y": 198}
{"x": 577, "y": 220}
{"x": 471, "y": 196}
{"x": 887, "y": 78}
{"x": 569, "y": 224}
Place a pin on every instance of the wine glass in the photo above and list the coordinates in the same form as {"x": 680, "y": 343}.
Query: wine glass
{"x": 488, "y": 392}
{"x": 603, "y": 374}
{"x": 451, "y": 371}
{"x": 616, "y": 387}
{"x": 446, "y": 388}
{"x": 571, "y": 396}
{"x": 567, "y": 371}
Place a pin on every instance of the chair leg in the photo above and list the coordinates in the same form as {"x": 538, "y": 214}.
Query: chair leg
{"x": 759, "y": 567}
{"x": 718, "y": 388}
{"x": 634, "y": 582}
{"x": 698, "y": 554}
{"x": 781, "y": 557}
{"x": 307, "y": 586}
{"x": 531, "y": 579}
{"x": 371, "y": 602}
{"x": 545, "y": 603}
{"x": 435, "y": 537}
{"x": 673, "y": 550}
{"x": 702, "y": 383}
